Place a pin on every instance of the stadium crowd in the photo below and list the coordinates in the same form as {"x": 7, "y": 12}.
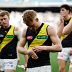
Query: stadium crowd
{"x": 47, "y": 17}
{"x": 17, "y": 19}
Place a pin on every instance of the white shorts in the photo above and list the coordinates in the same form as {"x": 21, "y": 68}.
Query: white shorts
{"x": 64, "y": 54}
{"x": 8, "y": 64}
{"x": 40, "y": 69}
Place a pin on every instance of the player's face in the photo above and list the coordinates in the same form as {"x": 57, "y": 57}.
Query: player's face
{"x": 5, "y": 20}
{"x": 33, "y": 25}
{"x": 64, "y": 12}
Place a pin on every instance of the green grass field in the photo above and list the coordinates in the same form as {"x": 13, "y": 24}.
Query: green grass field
{"x": 53, "y": 60}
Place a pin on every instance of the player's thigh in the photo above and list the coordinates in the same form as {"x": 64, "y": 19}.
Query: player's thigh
{"x": 70, "y": 69}
{"x": 8, "y": 70}
{"x": 62, "y": 63}
{"x": 70, "y": 66}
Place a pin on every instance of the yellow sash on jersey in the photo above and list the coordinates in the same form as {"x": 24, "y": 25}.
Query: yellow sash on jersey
{"x": 8, "y": 38}
{"x": 36, "y": 41}
{"x": 64, "y": 36}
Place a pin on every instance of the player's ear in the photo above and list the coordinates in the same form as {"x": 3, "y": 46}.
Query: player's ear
{"x": 9, "y": 18}
{"x": 68, "y": 11}
{"x": 37, "y": 19}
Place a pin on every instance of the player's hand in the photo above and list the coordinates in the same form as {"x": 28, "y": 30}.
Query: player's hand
{"x": 61, "y": 18}
{"x": 33, "y": 54}
{"x": 37, "y": 49}
{"x": 25, "y": 65}
{"x": 70, "y": 53}
{"x": 18, "y": 59}
{"x": 21, "y": 66}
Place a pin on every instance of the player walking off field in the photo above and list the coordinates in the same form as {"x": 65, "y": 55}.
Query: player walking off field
{"x": 66, "y": 40}
{"x": 40, "y": 37}
{"x": 9, "y": 36}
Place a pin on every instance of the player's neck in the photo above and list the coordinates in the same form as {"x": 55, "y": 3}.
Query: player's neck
{"x": 67, "y": 17}
{"x": 6, "y": 26}
{"x": 38, "y": 25}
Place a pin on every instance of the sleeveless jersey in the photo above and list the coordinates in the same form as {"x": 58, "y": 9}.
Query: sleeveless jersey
{"x": 40, "y": 37}
{"x": 8, "y": 43}
{"x": 66, "y": 40}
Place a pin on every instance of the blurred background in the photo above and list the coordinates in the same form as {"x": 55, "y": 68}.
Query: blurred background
{"x": 48, "y": 11}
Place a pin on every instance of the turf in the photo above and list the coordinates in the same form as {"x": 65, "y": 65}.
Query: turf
{"x": 53, "y": 60}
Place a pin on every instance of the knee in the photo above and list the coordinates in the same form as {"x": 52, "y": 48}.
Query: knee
{"x": 61, "y": 69}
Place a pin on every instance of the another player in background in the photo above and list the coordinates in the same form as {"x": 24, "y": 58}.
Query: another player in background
{"x": 9, "y": 36}
{"x": 0, "y": 40}
{"x": 40, "y": 37}
{"x": 0, "y": 19}
{"x": 67, "y": 30}
{"x": 66, "y": 40}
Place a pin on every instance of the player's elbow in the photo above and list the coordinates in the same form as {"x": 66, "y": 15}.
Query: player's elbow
{"x": 22, "y": 50}
{"x": 19, "y": 50}
{"x": 59, "y": 47}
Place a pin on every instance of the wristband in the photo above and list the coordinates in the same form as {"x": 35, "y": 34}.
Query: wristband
{"x": 28, "y": 52}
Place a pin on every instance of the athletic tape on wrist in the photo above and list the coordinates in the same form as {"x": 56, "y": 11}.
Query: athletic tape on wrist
{"x": 28, "y": 51}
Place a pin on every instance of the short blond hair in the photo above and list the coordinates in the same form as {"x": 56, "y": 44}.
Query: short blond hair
{"x": 28, "y": 16}
{"x": 3, "y": 13}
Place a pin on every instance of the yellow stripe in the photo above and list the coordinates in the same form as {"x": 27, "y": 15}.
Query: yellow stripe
{"x": 7, "y": 40}
{"x": 64, "y": 36}
{"x": 36, "y": 41}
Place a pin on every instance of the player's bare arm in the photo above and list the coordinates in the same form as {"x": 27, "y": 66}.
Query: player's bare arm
{"x": 22, "y": 43}
{"x": 68, "y": 28}
{"x": 55, "y": 40}
{"x": 25, "y": 56}
{"x": 25, "y": 65}
{"x": 17, "y": 32}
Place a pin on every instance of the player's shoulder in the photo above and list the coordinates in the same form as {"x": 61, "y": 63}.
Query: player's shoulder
{"x": 16, "y": 28}
{"x": 25, "y": 29}
{"x": 51, "y": 30}
{"x": 50, "y": 27}
{"x": 17, "y": 31}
